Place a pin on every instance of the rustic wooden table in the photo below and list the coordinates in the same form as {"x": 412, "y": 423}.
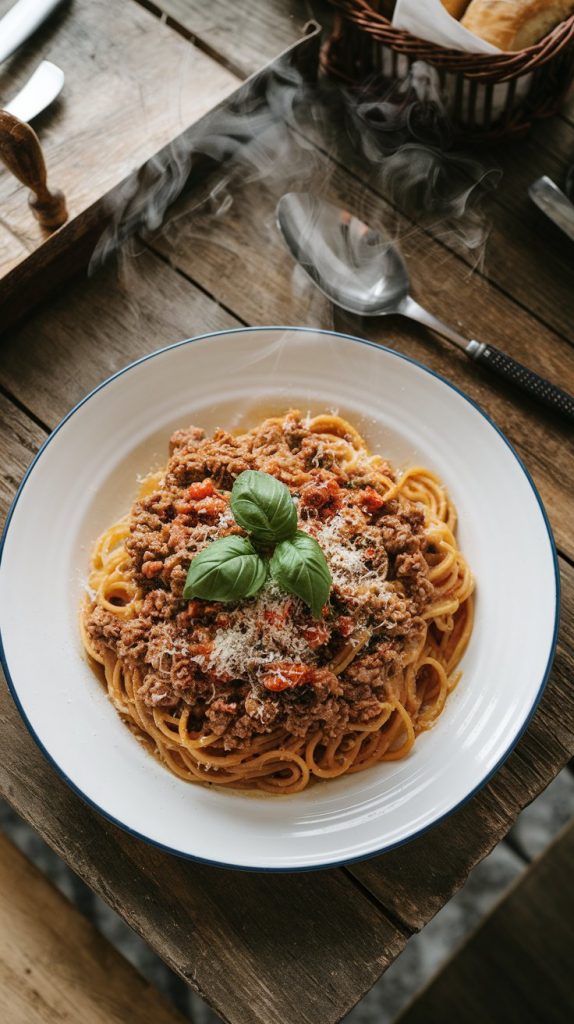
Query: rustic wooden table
{"x": 298, "y": 948}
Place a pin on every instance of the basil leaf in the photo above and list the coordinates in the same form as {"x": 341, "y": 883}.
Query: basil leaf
{"x": 300, "y": 567}
{"x": 263, "y": 506}
{"x": 226, "y": 570}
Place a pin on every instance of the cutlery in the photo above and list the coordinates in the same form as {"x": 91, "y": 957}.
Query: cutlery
{"x": 21, "y": 21}
{"x": 363, "y": 273}
{"x": 554, "y": 203}
{"x": 40, "y": 90}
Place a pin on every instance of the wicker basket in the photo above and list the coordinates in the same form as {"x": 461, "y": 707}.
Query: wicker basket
{"x": 484, "y": 96}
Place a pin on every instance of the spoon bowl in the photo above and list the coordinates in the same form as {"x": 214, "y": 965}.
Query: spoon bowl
{"x": 353, "y": 265}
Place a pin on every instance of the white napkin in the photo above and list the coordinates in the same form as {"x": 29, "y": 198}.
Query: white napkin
{"x": 428, "y": 19}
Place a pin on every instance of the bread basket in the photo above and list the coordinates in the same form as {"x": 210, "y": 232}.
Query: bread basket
{"x": 485, "y": 96}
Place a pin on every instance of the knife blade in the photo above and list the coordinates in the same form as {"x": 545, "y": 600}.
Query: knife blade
{"x": 39, "y": 92}
{"x": 21, "y": 21}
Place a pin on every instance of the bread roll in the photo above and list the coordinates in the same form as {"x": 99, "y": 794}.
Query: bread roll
{"x": 515, "y": 24}
{"x": 455, "y": 7}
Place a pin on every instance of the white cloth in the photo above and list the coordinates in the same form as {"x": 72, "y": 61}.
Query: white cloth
{"x": 428, "y": 19}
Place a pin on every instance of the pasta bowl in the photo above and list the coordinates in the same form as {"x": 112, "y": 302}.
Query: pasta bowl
{"x": 85, "y": 476}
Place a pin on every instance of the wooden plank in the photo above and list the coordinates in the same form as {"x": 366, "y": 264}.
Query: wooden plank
{"x": 97, "y": 326}
{"x": 516, "y": 227}
{"x": 55, "y": 966}
{"x": 20, "y": 439}
{"x": 416, "y": 880}
{"x": 519, "y": 232}
{"x": 518, "y": 964}
{"x": 243, "y": 38}
{"x": 93, "y": 137}
{"x": 243, "y": 250}
{"x": 132, "y": 87}
{"x": 300, "y": 949}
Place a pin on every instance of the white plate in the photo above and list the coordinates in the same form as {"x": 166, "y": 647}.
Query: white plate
{"x": 85, "y": 475}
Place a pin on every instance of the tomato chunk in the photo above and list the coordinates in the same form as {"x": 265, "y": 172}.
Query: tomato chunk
{"x": 201, "y": 490}
{"x": 317, "y": 635}
{"x": 285, "y": 675}
{"x": 371, "y": 500}
{"x": 345, "y": 625}
{"x": 151, "y": 569}
{"x": 323, "y": 496}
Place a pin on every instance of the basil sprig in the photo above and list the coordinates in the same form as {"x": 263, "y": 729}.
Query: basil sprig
{"x": 231, "y": 568}
{"x": 263, "y": 506}
{"x": 300, "y": 567}
{"x": 226, "y": 570}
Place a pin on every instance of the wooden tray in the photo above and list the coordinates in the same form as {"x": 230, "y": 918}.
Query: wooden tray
{"x": 135, "y": 93}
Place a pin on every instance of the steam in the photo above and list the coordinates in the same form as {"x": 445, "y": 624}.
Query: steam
{"x": 408, "y": 139}
{"x": 252, "y": 141}
{"x": 290, "y": 134}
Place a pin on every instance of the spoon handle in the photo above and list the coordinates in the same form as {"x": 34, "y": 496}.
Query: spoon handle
{"x": 529, "y": 381}
{"x": 501, "y": 363}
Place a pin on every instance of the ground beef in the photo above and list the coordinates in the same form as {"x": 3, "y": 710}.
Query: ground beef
{"x": 412, "y": 570}
{"x": 320, "y": 497}
{"x": 188, "y": 438}
{"x": 156, "y": 694}
{"x": 402, "y": 526}
{"x": 172, "y": 642}
{"x": 103, "y": 628}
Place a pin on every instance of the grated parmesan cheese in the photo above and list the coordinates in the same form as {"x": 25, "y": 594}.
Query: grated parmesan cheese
{"x": 260, "y": 631}
{"x": 352, "y": 577}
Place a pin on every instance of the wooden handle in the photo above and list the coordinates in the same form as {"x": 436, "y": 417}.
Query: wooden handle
{"x": 21, "y": 152}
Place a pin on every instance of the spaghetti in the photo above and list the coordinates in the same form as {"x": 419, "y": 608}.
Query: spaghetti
{"x": 257, "y": 694}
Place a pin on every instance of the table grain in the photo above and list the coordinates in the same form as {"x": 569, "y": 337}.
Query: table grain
{"x": 302, "y": 949}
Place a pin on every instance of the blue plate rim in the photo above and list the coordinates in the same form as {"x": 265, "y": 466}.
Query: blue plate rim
{"x": 387, "y": 847}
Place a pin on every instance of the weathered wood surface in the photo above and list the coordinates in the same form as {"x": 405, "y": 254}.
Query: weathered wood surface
{"x": 516, "y": 226}
{"x": 93, "y": 329}
{"x": 20, "y": 439}
{"x": 297, "y": 948}
{"x": 243, "y": 37}
{"x": 118, "y": 106}
{"x": 132, "y": 86}
{"x": 518, "y": 964}
{"x": 55, "y": 966}
{"x": 300, "y": 949}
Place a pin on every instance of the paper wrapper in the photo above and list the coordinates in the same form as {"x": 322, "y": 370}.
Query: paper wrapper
{"x": 429, "y": 20}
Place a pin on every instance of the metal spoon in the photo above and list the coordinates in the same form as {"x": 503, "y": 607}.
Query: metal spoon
{"x": 554, "y": 203}
{"x": 362, "y": 272}
{"x": 40, "y": 90}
